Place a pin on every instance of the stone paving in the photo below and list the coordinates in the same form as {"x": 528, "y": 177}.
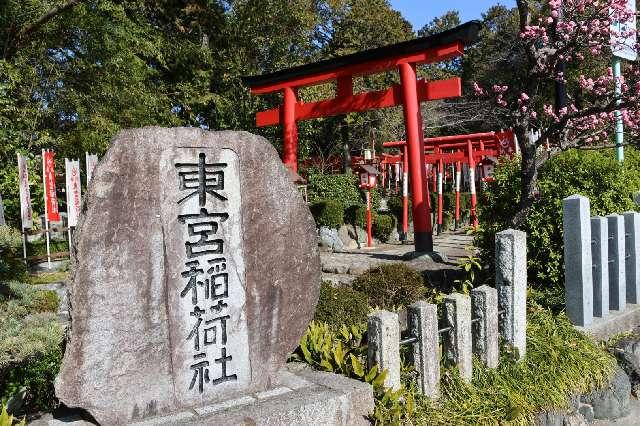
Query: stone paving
{"x": 341, "y": 267}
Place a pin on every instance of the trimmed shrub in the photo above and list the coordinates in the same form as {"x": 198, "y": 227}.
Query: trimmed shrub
{"x": 357, "y": 215}
{"x": 328, "y": 213}
{"x": 383, "y": 226}
{"x": 340, "y": 188}
{"x": 395, "y": 206}
{"x": 342, "y": 305}
{"x": 30, "y": 344}
{"x": 36, "y": 374}
{"x": 11, "y": 266}
{"x": 391, "y": 285}
{"x": 593, "y": 174}
{"x": 45, "y": 301}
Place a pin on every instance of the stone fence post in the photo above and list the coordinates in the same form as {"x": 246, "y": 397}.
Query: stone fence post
{"x": 511, "y": 282}
{"x": 484, "y": 306}
{"x": 578, "y": 285}
{"x": 422, "y": 321}
{"x": 457, "y": 341}
{"x": 632, "y": 252}
{"x": 617, "y": 280}
{"x": 384, "y": 346}
{"x": 600, "y": 258}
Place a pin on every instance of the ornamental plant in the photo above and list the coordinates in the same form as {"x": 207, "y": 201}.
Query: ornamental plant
{"x": 564, "y": 46}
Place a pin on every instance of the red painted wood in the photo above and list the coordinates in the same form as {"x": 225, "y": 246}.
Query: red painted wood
{"x": 346, "y": 102}
{"x": 415, "y": 146}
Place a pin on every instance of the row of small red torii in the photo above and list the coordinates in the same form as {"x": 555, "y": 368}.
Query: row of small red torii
{"x": 405, "y": 57}
{"x": 472, "y": 150}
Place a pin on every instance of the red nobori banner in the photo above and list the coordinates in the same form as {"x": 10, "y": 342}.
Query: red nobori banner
{"x": 50, "y": 197}
{"x": 25, "y": 197}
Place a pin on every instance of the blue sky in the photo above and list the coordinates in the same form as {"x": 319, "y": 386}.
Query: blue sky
{"x": 419, "y": 12}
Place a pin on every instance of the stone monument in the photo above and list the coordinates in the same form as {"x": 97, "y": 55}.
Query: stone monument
{"x": 196, "y": 271}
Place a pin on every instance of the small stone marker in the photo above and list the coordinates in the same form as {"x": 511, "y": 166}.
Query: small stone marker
{"x": 600, "y": 259}
{"x": 196, "y": 273}
{"x": 511, "y": 283}
{"x": 632, "y": 254}
{"x": 617, "y": 279}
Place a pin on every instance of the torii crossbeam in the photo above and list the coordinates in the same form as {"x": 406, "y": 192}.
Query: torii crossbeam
{"x": 409, "y": 93}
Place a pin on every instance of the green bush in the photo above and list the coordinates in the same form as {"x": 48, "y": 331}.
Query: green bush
{"x": 395, "y": 206}
{"x": 36, "y": 374}
{"x": 45, "y": 301}
{"x": 593, "y": 174}
{"x": 357, "y": 215}
{"x": 328, "y": 213}
{"x": 383, "y": 226}
{"x": 391, "y": 285}
{"x": 11, "y": 266}
{"x": 340, "y": 188}
{"x": 342, "y": 305}
{"x": 30, "y": 344}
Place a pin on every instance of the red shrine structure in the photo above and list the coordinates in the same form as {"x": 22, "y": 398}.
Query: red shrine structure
{"x": 404, "y": 57}
{"x": 477, "y": 152}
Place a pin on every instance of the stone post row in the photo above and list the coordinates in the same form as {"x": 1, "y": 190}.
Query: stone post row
{"x": 384, "y": 346}
{"x": 511, "y": 283}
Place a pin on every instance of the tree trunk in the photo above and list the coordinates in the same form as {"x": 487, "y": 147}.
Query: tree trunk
{"x": 529, "y": 176}
{"x": 346, "y": 146}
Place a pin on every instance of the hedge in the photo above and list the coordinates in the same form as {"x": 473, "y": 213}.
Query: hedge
{"x": 597, "y": 175}
{"x": 328, "y": 213}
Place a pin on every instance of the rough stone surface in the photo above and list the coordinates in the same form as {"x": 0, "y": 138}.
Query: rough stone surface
{"x": 484, "y": 306}
{"x": 586, "y": 411}
{"x": 422, "y": 321}
{"x": 578, "y": 261}
{"x": 329, "y": 238}
{"x": 617, "y": 280}
{"x": 559, "y": 418}
{"x": 457, "y": 341}
{"x": 345, "y": 236}
{"x": 627, "y": 352}
{"x": 600, "y": 259}
{"x": 612, "y": 402}
{"x": 128, "y": 354}
{"x": 383, "y": 347}
{"x": 511, "y": 283}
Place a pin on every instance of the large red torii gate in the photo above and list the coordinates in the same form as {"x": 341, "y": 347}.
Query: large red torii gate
{"x": 409, "y": 93}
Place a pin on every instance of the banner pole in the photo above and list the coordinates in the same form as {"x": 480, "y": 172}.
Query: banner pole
{"x": 46, "y": 212}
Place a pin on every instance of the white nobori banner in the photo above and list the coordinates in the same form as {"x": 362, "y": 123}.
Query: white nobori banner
{"x": 91, "y": 161}
{"x": 73, "y": 190}
{"x": 26, "y": 212}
